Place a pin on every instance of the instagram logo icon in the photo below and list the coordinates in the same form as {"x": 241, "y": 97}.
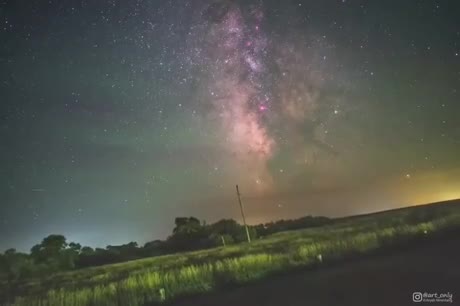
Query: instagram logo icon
{"x": 417, "y": 297}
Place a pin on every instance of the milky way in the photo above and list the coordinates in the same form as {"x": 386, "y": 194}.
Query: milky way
{"x": 235, "y": 49}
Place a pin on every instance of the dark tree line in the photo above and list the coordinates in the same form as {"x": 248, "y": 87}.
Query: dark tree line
{"x": 289, "y": 225}
{"x": 54, "y": 253}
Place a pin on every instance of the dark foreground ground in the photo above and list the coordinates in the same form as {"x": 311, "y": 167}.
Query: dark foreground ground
{"x": 386, "y": 279}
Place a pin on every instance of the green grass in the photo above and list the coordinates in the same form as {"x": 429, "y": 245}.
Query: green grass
{"x": 160, "y": 279}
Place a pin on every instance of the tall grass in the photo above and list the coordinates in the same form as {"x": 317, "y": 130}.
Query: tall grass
{"x": 204, "y": 271}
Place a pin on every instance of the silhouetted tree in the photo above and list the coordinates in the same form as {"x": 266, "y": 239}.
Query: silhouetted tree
{"x": 154, "y": 248}
{"x": 188, "y": 234}
{"x": 86, "y": 250}
{"x": 14, "y": 265}
{"x": 55, "y": 253}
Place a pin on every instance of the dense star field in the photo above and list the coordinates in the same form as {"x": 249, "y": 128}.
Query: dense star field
{"x": 118, "y": 116}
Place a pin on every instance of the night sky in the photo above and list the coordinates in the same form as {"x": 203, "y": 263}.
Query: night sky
{"x": 118, "y": 116}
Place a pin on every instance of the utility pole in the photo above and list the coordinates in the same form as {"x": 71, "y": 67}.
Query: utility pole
{"x": 242, "y": 214}
{"x": 223, "y": 240}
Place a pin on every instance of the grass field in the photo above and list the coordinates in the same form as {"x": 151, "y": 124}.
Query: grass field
{"x": 162, "y": 279}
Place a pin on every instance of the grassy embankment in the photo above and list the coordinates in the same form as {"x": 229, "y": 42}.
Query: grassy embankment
{"x": 161, "y": 279}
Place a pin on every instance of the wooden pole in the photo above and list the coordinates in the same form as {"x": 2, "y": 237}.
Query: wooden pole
{"x": 242, "y": 214}
{"x": 223, "y": 240}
